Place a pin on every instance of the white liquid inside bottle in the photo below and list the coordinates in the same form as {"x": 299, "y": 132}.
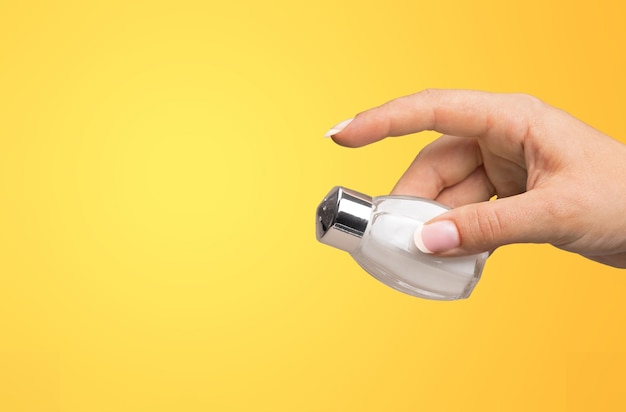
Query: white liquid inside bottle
{"x": 378, "y": 233}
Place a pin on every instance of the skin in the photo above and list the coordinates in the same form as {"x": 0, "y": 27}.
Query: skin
{"x": 557, "y": 179}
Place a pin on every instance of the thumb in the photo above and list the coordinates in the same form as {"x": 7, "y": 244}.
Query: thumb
{"x": 481, "y": 227}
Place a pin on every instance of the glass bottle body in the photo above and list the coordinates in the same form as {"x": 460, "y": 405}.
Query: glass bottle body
{"x": 387, "y": 251}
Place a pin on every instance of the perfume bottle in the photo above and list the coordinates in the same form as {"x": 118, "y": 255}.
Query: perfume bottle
{"x": 378, "y": 232}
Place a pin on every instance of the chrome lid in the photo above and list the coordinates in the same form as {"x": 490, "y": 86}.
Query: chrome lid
{"x": 342, "y": 218}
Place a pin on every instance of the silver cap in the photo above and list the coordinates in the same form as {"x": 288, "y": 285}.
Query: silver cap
{"x": 342, "y": 218}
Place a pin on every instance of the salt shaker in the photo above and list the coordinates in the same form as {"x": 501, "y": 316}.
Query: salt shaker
{"x": 379, "y": 234}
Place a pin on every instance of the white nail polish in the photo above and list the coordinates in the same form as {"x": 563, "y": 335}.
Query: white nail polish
{"x": 417, "y": 238}
{"x": 338, "y": 127}
{"x": 380, "y": 232}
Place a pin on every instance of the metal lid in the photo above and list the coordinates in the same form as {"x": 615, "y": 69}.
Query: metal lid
{"x": 342, "y": 218}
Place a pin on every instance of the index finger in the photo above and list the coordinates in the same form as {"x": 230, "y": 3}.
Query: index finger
{"x": 465, "y": 113}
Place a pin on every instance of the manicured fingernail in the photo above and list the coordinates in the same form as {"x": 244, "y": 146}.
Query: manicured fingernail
{"x": 337, "y": 128}
{"x": 437, "y": 237}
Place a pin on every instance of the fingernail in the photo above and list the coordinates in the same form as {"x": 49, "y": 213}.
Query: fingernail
{"x": 337, "y": 128}
{"x": 437, "y": 237}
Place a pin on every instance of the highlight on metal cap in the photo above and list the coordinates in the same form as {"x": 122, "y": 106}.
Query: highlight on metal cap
{"x": 342, "y": 218}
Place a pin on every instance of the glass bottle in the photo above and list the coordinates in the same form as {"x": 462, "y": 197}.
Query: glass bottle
{"x": 378, "y": 232}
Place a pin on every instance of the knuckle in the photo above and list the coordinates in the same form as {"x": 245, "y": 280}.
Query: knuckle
{"x": 528, "y": 121}
{"x": 490, "y": 226}
{"x": 485, "y": 229}
{"x": 529, "y": 102}
{"x": 554, "y": 219}
{"x": 565, "y": 213}
{"x": 429, "y": 92}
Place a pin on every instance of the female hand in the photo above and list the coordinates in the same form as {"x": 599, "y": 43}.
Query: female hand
{"x": 557, "y": 180}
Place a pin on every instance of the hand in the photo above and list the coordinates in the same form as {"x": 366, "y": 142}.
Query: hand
{"x": 557, "y": 179}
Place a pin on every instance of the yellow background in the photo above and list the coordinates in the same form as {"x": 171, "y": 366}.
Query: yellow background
{"x": 160, "y": 165}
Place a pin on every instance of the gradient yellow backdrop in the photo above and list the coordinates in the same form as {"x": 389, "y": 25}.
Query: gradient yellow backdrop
{"x": 160, "y": 165}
